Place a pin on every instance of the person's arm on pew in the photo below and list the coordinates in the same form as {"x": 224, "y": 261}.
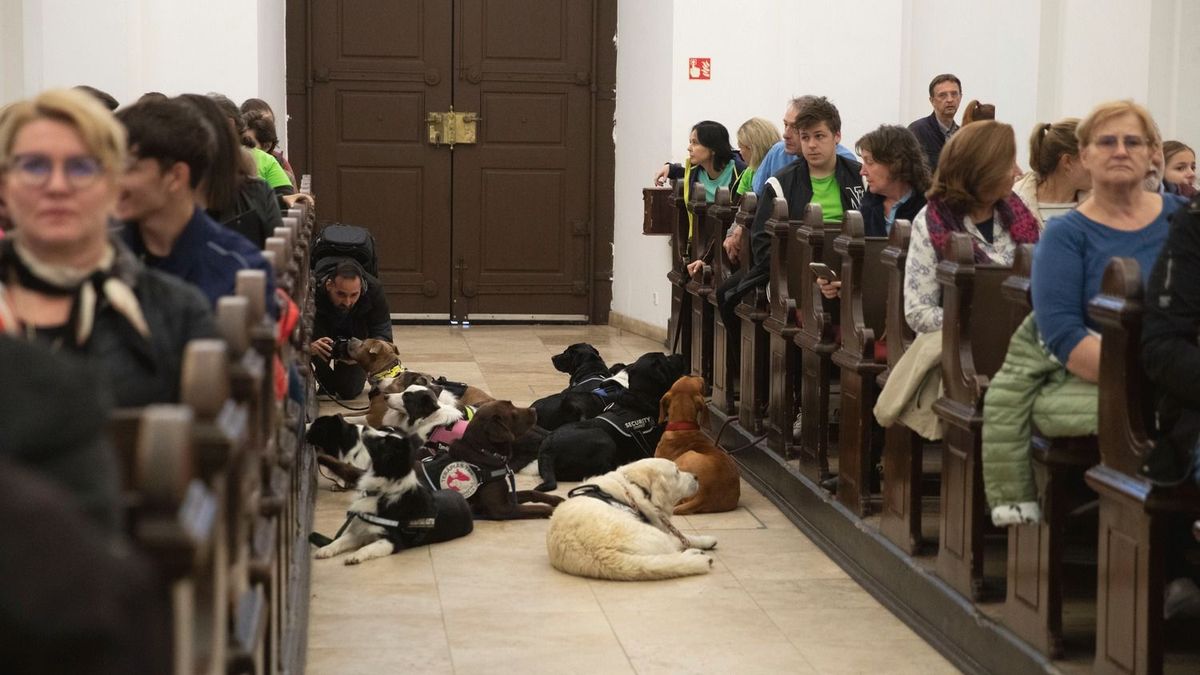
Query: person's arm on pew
{"x": 922, "y": 294}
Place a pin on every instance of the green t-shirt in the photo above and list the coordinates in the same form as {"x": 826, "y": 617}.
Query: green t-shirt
{"x": 828, "y": 194}
{"x": 269, "y": 169}
{"x": 746, "y": 184}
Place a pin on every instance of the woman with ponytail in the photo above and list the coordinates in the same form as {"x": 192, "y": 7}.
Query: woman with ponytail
{"x": 1057, "y": 181}
{"x": 971, "y": 193}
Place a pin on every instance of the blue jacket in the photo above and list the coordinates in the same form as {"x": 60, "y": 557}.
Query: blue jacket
{"x": 208, "y": 256}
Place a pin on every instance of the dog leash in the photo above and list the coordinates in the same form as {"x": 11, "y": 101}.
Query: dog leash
{"x": 717, "y": 439}
{"x": 666, "y": 521}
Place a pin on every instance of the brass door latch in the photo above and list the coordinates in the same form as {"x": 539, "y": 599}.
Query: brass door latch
{"x": 451, "y": 127}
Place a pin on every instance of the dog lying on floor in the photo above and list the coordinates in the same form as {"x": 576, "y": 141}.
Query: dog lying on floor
{"x": 339, "y": 447}
{"x": 626, "y": 431}
{"x": 684, "y": 442}
{"x": 478, "y": 465}
{"x": 588, "y": 372}
{"x": 395, "y": 510}
{"x": 618, "y": 526}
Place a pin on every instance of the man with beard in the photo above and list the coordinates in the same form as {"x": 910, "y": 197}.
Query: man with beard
{"x": 352, "y": 305}
{"x": 945, "y": 95}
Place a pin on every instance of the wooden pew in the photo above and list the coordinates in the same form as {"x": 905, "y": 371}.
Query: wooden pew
{"x": 900, "y": 518}
{"x": 1133, "y": 534}
{"x": 679, "y": 328}
{"x": 817, "y": 341}
{"x": 753, "y": 375}
{"x": 1034, "y": 588}
{"x": 863, "y": 313}
{"x": 781, "y": 328}
{"x": 973, "y": 347}
{"x": 725, "y": 362}
{"x": 698, "y": 286}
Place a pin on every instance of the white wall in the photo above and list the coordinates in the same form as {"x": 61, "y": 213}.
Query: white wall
{"x": 1035, "y": 60}
{"x": 129, "y": 47}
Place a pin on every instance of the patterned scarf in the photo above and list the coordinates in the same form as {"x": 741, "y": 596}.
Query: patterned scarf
{"x": 85, "y": 286}
{"x": 1014, "y": 216}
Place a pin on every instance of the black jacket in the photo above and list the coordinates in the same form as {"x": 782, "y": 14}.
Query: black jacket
{"x": 874, "y": 218}
{"x": 1170, "y": 352}
{"x": 255, "y": 214}
{"x": 797, "y": 189}
{"x": 931, "y": 137}
{"x": 368, "y": 318}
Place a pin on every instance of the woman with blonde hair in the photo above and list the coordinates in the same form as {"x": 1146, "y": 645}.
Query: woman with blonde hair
{"x": 755, "y": 138}
{"x": 64, "y": 279}
{"x": 1057, "y": 181}
{"x": 972, "y": 193}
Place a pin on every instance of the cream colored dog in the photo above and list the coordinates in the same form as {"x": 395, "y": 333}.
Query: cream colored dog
{"x": 618, "y": 526}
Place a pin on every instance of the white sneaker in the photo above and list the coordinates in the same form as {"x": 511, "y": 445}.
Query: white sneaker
{"x": 1181, "y": 600}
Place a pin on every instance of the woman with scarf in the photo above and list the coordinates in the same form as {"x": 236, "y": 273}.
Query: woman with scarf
{"x": 971, "y": 193}
{"x": 64, "y": 279}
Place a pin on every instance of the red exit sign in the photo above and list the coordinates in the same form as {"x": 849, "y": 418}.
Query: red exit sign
{"x": 700, "y": 68}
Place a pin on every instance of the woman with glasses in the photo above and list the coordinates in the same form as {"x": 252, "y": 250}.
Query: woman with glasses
{"x": 64, "y": 279}
{"x": 1119, "y": 218}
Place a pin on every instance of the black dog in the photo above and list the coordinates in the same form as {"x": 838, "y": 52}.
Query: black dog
{"x": 628, "y": 430}
{"x": 396, "y": 511}
{"x": 588, "y": 371}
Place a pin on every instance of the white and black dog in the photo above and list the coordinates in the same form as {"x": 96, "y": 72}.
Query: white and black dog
{"x": 422, "y": 410}
{"x": 339, "y": 447}
{"x": 395, "y": 511}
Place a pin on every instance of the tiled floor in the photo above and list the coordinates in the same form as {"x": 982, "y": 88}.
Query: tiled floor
{"x": 491, "y": 603}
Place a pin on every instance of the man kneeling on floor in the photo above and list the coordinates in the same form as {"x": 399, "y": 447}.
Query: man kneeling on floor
{"x": 350, "y": 304}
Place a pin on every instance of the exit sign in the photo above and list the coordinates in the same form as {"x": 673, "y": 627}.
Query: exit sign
{"x": 700, "y": 68}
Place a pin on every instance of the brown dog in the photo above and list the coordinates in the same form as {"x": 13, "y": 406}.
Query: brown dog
{"x": 686, "y": 413}
{"x": 380, "y": 358}
{"x": 488, "y": 445}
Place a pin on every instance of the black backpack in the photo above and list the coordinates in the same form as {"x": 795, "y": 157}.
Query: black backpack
{"x": 345, "y": 241}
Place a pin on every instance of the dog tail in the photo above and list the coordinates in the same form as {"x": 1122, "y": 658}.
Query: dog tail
{"x": 620, "y": 566}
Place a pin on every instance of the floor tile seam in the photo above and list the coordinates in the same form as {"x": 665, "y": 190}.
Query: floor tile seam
{"x": 611, "y": 627}
{"x": 441, "y": 609}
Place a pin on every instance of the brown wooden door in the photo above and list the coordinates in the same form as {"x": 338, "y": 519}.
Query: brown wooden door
{"x": 501, "y": 229}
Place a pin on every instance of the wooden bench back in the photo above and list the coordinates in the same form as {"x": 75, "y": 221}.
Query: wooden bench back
{"x": 864, "y": 286}
{"x": 780, "y": 295}
{"x": 815, "y": 238}
{"x": 721, "y": 214}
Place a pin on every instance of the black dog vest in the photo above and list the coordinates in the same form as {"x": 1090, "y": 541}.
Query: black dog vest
{"x": 441, "y": 471}
{"x": 632, "y": 425}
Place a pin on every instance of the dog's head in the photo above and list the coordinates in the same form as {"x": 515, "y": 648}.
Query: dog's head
{"x": 392, "y": 454}
{"x": 662, "y": 482}
{"x": 654, "y": 373}
{"x": 578, "y": 355}
{"x": 374, "y": 355}
{"x": 499, "y": 423}
{"x": 332, "y": 435}
{"x": 413, "y": 404}
{"x": 408, "y": 378}
{"x": 684, "y": 402}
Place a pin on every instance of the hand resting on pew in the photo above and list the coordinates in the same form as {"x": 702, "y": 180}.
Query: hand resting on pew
{"x": 733, "y": 244}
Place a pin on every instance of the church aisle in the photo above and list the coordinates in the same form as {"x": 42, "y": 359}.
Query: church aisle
{"x": 491, "y": 602}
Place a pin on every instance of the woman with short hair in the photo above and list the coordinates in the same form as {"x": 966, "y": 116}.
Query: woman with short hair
{"x": 65, "y": 280}
{"x": 971, "y": 193}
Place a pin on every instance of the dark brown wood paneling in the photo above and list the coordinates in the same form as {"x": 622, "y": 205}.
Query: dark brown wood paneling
{"x": 522, "y": 201}
{"x": 378, "y": 68}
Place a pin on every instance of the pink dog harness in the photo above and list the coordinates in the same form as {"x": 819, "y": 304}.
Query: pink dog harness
{"x": 449, "y": 434}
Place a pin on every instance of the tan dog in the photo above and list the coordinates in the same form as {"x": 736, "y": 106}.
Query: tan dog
{"x": 684, "y": 442}
{"x": 380, "y": 358}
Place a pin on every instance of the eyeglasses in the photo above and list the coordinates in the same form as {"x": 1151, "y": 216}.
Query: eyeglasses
{"x": 1132, "y": 143}
{"x": 35, "y": 170}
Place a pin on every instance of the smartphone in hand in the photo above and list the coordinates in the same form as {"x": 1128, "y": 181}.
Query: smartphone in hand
{"x": 823, "y": 271}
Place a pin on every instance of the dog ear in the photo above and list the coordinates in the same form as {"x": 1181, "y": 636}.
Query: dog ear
{"x": 395, "y": 349}
{"x": 701, "y": 410}
{"x": 498, "y": 431}
{"x": 664, "y": 406}
{"x": 662, "y": 495}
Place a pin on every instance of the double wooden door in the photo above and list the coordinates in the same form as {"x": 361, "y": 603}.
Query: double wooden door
{"x": 497, "y": 229}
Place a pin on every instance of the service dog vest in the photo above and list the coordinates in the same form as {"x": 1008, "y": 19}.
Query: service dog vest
{"x": 632, "y": 425}
{"x": 442, "y": 472}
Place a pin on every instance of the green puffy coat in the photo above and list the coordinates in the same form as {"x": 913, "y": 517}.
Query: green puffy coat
{"x": 1032, "y": 387}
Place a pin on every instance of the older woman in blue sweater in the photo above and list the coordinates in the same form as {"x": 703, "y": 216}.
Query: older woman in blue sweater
{"x": 1120, "y": 218}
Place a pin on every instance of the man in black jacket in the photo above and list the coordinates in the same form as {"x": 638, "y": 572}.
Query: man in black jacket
{"x": 945, "y": 95}
{"x": 351, "y": 305}
{"x": 820, "y": 175}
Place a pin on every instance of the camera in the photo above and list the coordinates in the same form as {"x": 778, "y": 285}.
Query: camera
{"x": 341, "y": 349}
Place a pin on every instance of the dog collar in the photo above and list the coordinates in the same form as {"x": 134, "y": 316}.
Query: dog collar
{"x": 394, "y": 371}
{"x": 594, "y": 491}
{"x": 682, "y": 426}
{"x": 468, "y": 412}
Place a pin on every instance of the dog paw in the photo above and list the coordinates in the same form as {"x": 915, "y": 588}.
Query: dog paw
{"x": 704, "y": 542}
{"x": 697, "y": 553}
{"x": 353, "y": 560}
{"x": 325, "y": 552}
{"x": 546, "y": 486}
